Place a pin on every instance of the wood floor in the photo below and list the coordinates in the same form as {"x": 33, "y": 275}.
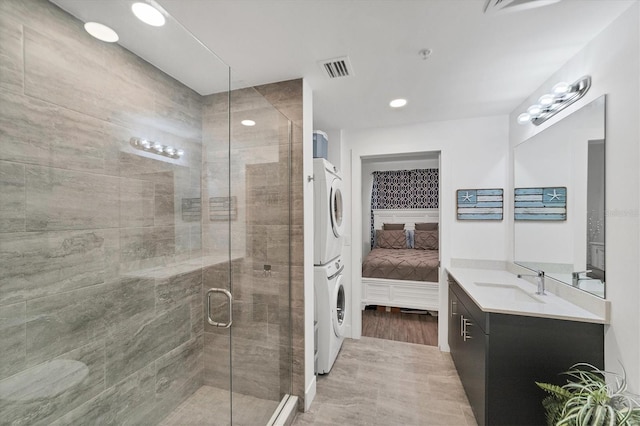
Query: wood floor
{"x": 410, "y": 328}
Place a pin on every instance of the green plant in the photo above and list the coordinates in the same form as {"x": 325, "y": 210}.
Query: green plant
{"x": 587, "y": 399}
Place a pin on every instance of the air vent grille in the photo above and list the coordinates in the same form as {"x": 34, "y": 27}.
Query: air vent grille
{"x": 337, "y": 67}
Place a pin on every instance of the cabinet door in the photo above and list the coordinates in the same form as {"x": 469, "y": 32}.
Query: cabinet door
{"x": 455, "y": 335}
{"x": 471, "y": 362}
{"x": 475, "y": 350}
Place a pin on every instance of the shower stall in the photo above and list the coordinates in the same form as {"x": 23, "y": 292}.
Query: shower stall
{"x": 145, "y": 232}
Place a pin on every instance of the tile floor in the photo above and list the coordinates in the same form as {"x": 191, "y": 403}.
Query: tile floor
{"x": 385, "y": 382}
{"x": 209, "y": 406}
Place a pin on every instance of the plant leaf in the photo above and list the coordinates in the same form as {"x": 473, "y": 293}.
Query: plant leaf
{"x": 554, "y": 390}
{"x": 600, "y": 415}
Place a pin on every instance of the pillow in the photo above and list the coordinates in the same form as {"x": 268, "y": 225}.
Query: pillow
{"x": 426, "y": 240}
{"x": 391, "y": 239}
{"x": 392, "y": 226}
{"x": 410, "y": 237}
{"x": 428, "y": 226}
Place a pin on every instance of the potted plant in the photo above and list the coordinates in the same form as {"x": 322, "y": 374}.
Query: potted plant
{"x": 587, "y": 399}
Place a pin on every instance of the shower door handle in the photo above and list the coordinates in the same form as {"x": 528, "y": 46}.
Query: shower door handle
{"x": 229, "y": 297}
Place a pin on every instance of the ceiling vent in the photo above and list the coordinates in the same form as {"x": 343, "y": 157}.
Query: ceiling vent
{"x": 337, "y": 67}
{"x": 494, "y": 6}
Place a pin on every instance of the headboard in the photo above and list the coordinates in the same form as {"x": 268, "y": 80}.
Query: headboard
{"x": 407, "y": 216}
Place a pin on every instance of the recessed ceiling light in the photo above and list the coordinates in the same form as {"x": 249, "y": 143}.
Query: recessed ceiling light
{"x": 148, "y": 14}
{"x": 248, "y": 123}
{"x": 398, "y": 103}
{"x": 101, "y": 32}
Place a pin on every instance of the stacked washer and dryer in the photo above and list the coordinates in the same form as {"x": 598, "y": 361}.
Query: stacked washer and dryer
{"x": 328, "y": 278}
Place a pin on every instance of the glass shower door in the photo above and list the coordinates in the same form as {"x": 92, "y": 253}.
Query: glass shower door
{"x": 248, "y": 191}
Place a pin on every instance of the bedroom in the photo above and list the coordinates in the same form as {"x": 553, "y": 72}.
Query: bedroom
{"x": 400, "y": 270}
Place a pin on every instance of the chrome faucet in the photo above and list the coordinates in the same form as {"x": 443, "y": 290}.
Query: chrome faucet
{"x": 575, "y": 277}
{"x": 540, "y": 279}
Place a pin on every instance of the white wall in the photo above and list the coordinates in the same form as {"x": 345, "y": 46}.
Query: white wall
{"x": 613, "y": 61}
{"x": 474, "y": 154}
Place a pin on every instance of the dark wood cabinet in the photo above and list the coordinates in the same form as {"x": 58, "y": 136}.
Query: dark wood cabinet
{"x": 499, "y": 357}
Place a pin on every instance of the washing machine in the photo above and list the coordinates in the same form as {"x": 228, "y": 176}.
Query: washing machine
{"x": 328, "y": 212}
{"x": 331, "y": 305}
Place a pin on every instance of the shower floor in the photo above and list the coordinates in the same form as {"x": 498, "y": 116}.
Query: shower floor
{"x": 210, "y": 406}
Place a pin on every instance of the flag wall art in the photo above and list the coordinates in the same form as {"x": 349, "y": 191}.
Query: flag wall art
{"x": 480, "y": 204}
{"x": 540, "y": 203}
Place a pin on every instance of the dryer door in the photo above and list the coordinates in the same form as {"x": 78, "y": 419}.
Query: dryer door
{"x": 338, "y": 307}
{"x": 335, "y": 207}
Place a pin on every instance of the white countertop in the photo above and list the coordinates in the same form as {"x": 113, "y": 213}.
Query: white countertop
{"x": 502, "y": 292}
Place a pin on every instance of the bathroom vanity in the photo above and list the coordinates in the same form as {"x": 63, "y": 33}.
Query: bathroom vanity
{"x": 503, "y": 338}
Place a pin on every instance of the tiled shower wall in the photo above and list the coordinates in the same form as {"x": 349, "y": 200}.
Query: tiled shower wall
{"x": 100, "y": 276}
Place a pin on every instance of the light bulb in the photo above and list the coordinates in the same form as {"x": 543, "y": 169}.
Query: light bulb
{"x": 180, "y": 152}
{"x": 546, "y": 100}
{"x": 524, "y": 118}
{"x": 145, "y": 144}
{"x": 248, "y": 123}
{"x": 534, "y": 110}
{"x": 561, "y": 88}
{"x": 157, "y": 147}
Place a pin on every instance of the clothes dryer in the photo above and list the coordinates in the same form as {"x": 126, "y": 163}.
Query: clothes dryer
{"x": 328, "y": 212}
{"x": 331, "y": 305}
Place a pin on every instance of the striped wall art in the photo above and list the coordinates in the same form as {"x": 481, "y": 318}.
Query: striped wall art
{"x": 480, "y": 204}
{"x": 541, "y": 203}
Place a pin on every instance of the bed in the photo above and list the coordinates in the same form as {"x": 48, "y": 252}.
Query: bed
{"x": 396, "y": 274}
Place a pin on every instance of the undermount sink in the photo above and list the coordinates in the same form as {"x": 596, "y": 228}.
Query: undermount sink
{"x": 508, "y": 292}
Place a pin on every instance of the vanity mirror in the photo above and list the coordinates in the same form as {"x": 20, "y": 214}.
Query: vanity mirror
{"x": 570, "y": 154}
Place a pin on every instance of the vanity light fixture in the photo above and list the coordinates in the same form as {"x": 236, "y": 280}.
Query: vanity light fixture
{"x": 101, "y": 32}
{"x": 156, "y": 148}
{"x": 563, "y": 94}
{"x": 398, "y": 103}
{"x": 148, "y": 14}
{"x": 248, "y": 123}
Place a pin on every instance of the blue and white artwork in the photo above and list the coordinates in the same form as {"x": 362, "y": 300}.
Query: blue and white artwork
{"x": 480, "y": 204}
{"x": 541, "y": 203}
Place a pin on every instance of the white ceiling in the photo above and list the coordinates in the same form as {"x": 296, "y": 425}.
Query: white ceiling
{"x": 482, "y": 64}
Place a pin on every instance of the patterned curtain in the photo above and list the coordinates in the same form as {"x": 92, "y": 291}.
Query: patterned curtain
{"x": 404, "y": 189}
